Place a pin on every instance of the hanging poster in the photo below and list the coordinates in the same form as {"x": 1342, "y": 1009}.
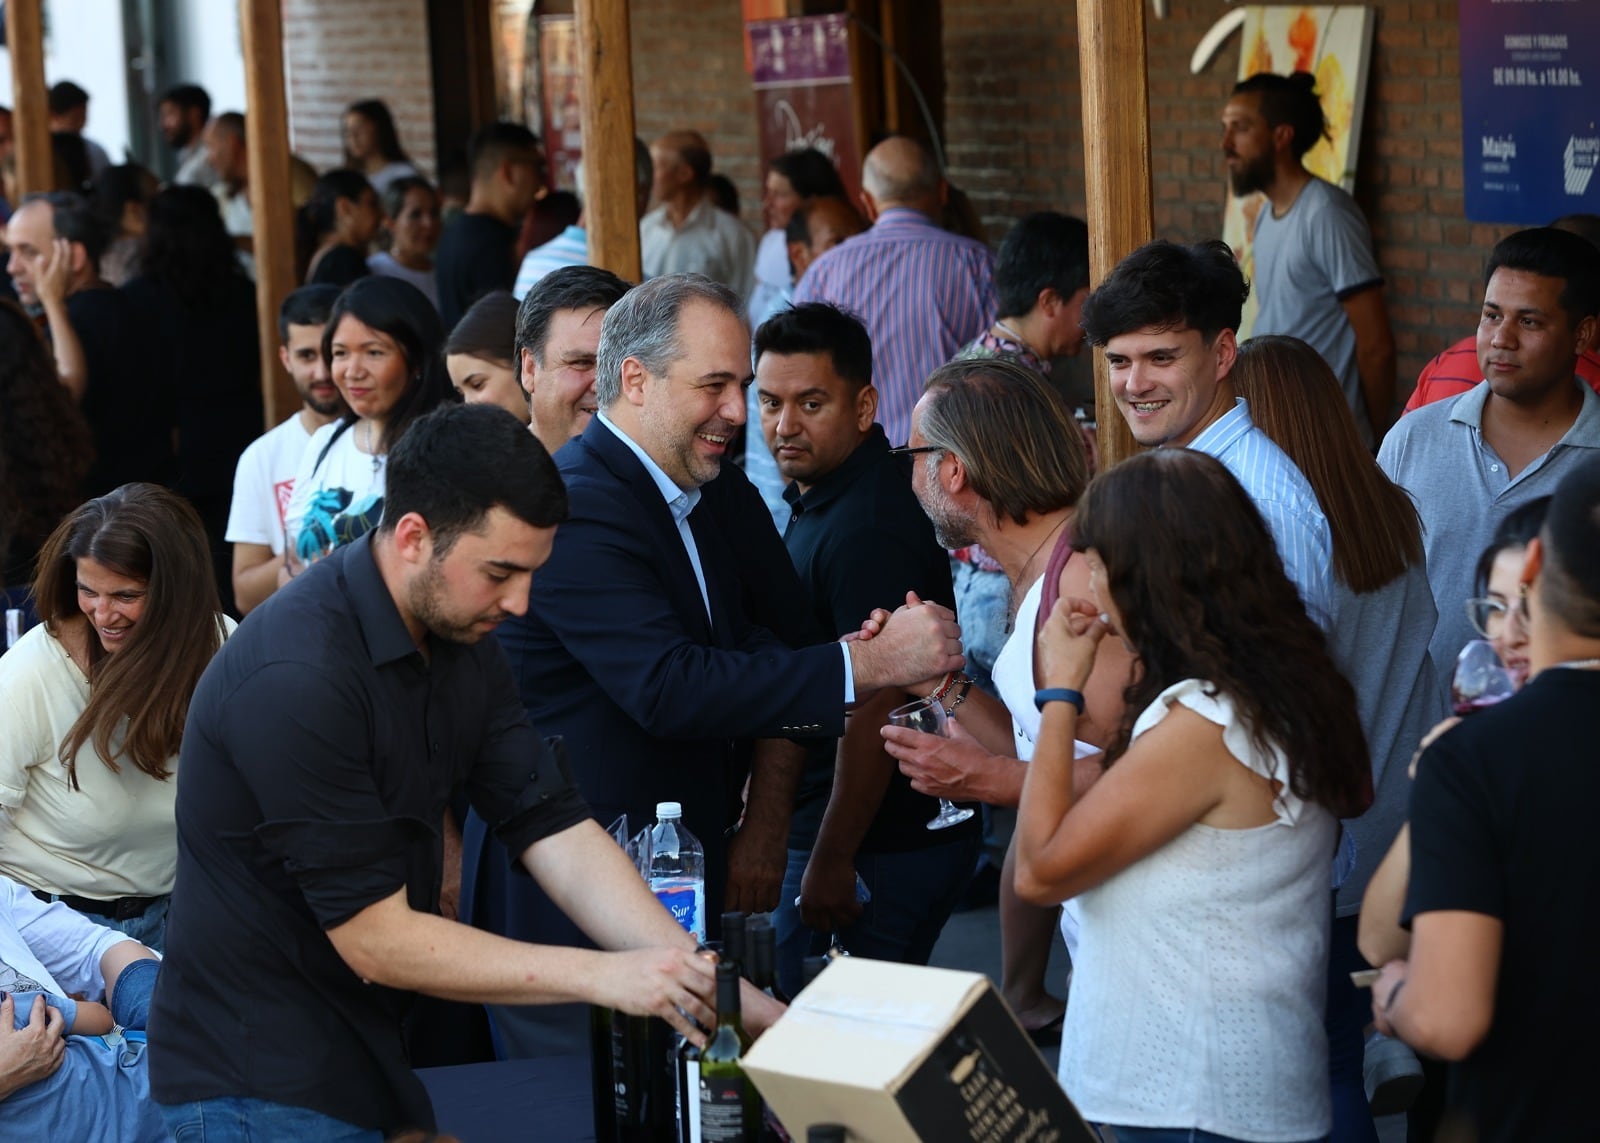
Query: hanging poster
{"x": 1530, "y": 109}
{"x": 1335, "y": 45}
{"x": 800, "y": 69}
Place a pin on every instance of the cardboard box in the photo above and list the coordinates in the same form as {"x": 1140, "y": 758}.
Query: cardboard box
{"x": 899, "y": 1053}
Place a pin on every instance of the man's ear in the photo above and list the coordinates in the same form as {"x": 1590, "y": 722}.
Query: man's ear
{"x": 413, "y": 539}
{"x": 1532, "y": 565}
{"x": 283, "y": 357}
{"x": 528, "y": 369}
{"x": 866, "y": 407}
{"x": 958, "y": 480}
{"x": 634, "y": 378}
{"x": 1226, "y": 348}
{"x": 869, "y": 205}
{"x": 80, "y": 258}
{"x": 1283, "y": 138}
{"x": 1588, "y": 333}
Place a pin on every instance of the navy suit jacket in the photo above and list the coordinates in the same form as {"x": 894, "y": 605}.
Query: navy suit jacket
{"x": 618, "y": 656}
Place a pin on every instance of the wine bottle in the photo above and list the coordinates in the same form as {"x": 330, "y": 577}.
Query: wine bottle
{"x": 601, "y": 1085}
{"x": 734, "y": 947}
{"x": 730, "y": 1107}
{"x": 642, "y": 1077}
{"x": 764, "y": 960}
{"x": 810, "y": 968}
{"x": 826, "y": 1133}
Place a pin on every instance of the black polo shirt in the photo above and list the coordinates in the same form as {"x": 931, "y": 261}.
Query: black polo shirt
{"x": 319, "y": 756}
{"x": 476, "y": 255}
{"x": 860, "y": 540}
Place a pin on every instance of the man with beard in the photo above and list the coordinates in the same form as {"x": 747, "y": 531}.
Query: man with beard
{"x": 183, "y": 114}
{"x": 264, "y": 478}
{"x": 1315, "y": 274}
{"x": 323, "y": 742}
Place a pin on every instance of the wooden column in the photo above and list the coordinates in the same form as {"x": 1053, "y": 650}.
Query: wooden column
{"x": 271, "y": 201}
{"x": 610, "y": 206}
{"x": 1116, "y": 142}
{"x": 30, "y": 111}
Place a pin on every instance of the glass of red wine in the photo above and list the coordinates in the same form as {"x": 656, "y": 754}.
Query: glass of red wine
{"x": 1480, "y": 680}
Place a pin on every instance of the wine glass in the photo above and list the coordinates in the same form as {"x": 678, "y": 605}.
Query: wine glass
{"x": 1480, "y": 679}
{"x": 927, "y": 715}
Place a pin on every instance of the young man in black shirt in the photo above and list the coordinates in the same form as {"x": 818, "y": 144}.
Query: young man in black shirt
{"x": 860, "y": 541}
{"x": 1505, "y": 867}
{"x": 477, "y": 252}
{"x": 323, "y": 745}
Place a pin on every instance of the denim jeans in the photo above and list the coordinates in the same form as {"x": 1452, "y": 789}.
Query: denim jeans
{"x": 234, "y": 1119}
{"x": 1348, "y": 1012}
{"x": 912, "y": 896}
{"x": 130, "y": 998}
{"x": 149, "y": 928}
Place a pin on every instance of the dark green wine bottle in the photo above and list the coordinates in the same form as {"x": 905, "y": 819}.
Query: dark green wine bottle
{"x": 604, "y": 1094}
{"x": 734, "y": 929}
{"x": 826, "y": 1133}
{"x": 730, "y": 1106}
{"x": 763, "y": 944}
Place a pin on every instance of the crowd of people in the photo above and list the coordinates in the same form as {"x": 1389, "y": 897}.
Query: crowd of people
{"x": 542, "y": 548}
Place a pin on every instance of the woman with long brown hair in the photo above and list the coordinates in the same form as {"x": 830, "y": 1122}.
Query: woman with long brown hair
{"x": 1383, "y": 617}
{"x": 1200, "y": 859}
{"x": 93, "y": 702}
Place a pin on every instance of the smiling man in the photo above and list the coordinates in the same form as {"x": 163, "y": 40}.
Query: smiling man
{"x": 859, "y": 541}
{"x": 320, "y": 750}
{"x": 1167, "y": 318}
{"x": 558, "y": 336}
{"x": 1470, "y": 461}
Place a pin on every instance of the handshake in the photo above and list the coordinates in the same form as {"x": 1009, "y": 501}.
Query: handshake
{"x": 917, "y": 641}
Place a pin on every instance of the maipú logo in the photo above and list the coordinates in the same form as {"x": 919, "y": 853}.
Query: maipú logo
{"x": 1499, "y": 147}
{"x": 1578, "y": 163}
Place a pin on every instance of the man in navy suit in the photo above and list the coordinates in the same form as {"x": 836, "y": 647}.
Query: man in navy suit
{"x": 635, "y": 648}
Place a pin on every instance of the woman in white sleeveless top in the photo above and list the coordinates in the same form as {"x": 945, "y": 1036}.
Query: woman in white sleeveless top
{"x": 1200, "y": 860}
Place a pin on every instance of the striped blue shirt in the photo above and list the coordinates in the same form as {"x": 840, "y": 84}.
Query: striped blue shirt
{"x": 569, "y": 248}
{"x": 922, "y": 293}
{"x": 1285, "y": 500}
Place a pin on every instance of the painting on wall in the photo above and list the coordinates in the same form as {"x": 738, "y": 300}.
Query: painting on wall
{"x": 1333, "y": 43}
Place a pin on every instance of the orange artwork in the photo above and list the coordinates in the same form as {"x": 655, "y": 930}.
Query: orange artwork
{"x": 1335, "y": 45}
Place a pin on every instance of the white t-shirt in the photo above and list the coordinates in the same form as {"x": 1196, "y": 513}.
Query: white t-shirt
{"x": 48, "y": 947}
{"x": 262, "y": 484}
{"x": 388, "y": 173}
{"x": 383, "y": 264}
{"x": 113, "y": 836}
{"x": 338, "y": 500}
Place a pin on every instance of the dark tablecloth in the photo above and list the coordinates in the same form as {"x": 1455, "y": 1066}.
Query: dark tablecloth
{"x": 545, "y": 1100}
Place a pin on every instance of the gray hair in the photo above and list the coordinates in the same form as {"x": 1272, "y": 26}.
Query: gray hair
{"x": 643, "y": 325}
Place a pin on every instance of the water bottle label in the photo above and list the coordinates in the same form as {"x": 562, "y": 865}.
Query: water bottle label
{"x": 685, "y": 901}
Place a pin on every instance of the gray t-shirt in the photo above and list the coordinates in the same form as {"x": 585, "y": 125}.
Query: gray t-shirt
{"x": 1305, "y": 262}
{"x": 1463, "y": 493}
{"x": 1379, "y": 640}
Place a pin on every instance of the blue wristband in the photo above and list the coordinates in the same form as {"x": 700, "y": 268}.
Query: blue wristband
{"x": 1058, "y": 694}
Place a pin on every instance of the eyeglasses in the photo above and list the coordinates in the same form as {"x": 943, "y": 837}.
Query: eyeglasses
{"x": 913, "y": 450}
{"x": 1487, "y": 616}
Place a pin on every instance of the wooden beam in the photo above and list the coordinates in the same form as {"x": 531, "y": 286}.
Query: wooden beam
{"x": 271, "y": 204}
{"x": 610, "y": 206}
{"x": 30, "y": 111}
{"x": 1112, "y": 65}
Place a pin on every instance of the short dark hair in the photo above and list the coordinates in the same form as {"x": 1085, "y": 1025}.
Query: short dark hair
{"x": 309, "y": 305}
{"x": 499, "y": 142}
{"x": 189, "y": 97}
{"x": 818, "y": 327}
{"x": 569, "y": 288}
{"x": 487, "y": 330}
{"x": 460, "y": 461}
{"x": 1552, "y": 253}
{"x": 1163, "y": 285}
{"x": 1290, "y": 99}
{"x": 1045, "y": 251}
{"x": 1522, "y": 525}
{"x": 1583, "y": 225}
{"x": 67, "y": 96}
{"x": 75, "y": 220}
{"x": 723, "y": 194}
{"x": 810, "y": 172}
{"x": 1570, "y": 584}
{"x": 394, "y": 195}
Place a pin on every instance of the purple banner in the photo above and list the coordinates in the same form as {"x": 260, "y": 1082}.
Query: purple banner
{"x": 1530, "y": 109}
{"x": 809, "y": 49}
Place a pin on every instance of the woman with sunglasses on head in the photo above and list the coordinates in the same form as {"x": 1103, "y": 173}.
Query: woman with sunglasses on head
{"x": 381, "y": 345}
{"x": 1199, "y": 860}
{"x": 93, "y": 701}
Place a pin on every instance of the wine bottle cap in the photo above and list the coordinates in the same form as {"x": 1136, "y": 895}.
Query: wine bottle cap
{"x": 825, "y": 1133}
{"x": 669, "y": 810}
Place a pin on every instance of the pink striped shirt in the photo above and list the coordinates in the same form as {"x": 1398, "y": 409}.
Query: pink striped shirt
{"x": 922, "y": 292}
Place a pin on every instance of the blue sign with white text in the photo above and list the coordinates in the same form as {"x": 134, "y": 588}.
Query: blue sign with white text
{"x": 1530, "y": 109}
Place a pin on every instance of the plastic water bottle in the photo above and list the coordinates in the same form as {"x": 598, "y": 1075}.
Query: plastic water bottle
{"x": 678, "y": 869}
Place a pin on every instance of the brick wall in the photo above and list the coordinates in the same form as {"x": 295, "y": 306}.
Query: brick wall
{"x": 688, "y": 72}
{"x": 339, "y": 51}
{"x": 1016, "y": 142}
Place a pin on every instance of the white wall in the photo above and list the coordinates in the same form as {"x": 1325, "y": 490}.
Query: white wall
{"x": 83, "y": 43}
{"x": 208, "y": 51}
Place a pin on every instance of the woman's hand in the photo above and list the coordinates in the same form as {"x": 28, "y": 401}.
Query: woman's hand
{"x": 1069, "y": 642}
